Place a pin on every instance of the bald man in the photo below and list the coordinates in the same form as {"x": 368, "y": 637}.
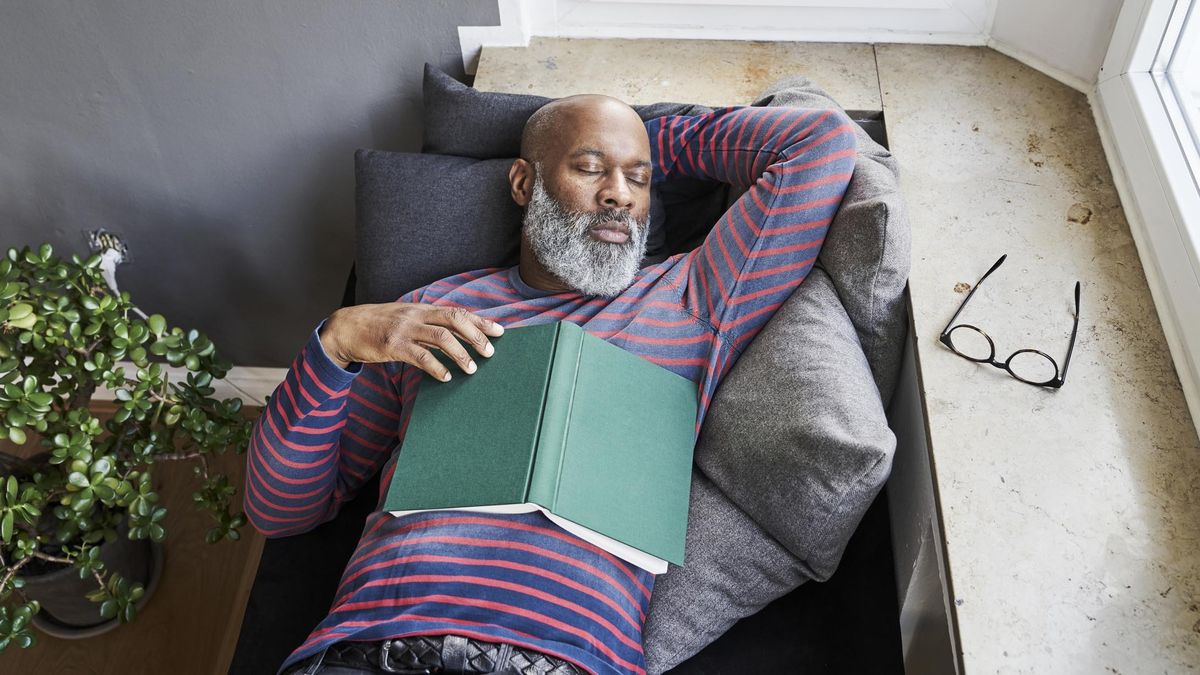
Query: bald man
{"x": 457, "y": 591}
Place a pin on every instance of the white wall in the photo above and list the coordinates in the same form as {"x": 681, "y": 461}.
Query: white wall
{"x": 1066, "y": 39}
{"x": 1071, "y": 36}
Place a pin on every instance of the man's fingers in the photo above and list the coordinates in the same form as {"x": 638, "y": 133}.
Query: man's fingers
{"x": 490, "y": 327}
{"x": 471, "y": 328}
{"x": 425, "y": 360}
{"x": 444, "y": 339}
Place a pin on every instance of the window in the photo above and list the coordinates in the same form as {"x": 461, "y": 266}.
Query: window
{"x": 1182, "y": 81}
{"x": 1147, "y": 105}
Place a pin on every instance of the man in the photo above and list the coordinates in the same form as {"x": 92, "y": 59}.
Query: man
{"x": 474, "y": 591}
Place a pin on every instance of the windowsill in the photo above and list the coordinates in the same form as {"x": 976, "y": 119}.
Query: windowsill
{"x": 1063, "y": 517}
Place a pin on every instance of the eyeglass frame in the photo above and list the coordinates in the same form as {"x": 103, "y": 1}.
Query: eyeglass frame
{"x": 1055, "y": 382}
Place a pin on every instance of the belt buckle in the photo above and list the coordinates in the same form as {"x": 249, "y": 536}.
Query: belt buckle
{"x": 383, "y": 663}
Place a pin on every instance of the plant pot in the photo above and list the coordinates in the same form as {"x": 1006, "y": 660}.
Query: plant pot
{"x": 65, "y": 610}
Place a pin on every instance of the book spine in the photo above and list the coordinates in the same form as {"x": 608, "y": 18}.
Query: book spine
{"x": 556, "y": 417}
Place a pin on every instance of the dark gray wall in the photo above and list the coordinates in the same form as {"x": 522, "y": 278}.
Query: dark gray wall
{"x": 217, "y": 138}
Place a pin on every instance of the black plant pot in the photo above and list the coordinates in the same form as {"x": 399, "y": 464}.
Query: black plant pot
{"x": 67, "y": 613}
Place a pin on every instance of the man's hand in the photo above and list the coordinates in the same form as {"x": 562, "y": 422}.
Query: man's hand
{"x": 406, "y": 331}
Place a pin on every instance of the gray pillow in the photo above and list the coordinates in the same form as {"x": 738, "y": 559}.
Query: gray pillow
{"x": 868, "y": 249}
{"x": 796, "y": 441}
{"x": 728, "y": 558}
{"x": 424, "y": 217}
{"x": 461, "y": 120}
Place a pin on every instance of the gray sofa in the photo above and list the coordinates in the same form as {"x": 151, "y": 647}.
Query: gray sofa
{"x": 796, "y": 445}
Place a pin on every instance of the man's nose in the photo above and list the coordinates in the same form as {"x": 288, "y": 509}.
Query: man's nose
{"x": 615, "y": 193}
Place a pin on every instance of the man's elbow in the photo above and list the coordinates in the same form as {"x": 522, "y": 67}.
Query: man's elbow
{"x": 275, "y": 526}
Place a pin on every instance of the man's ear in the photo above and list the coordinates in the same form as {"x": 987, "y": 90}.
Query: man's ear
{"x": 520, "y": 182}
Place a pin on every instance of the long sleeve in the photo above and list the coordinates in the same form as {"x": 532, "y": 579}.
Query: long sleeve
{"x": 323, "y": 434}
{"x": 796, "y": 164}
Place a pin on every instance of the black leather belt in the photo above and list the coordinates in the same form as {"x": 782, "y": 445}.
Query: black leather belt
{"x": 436, "y": 654}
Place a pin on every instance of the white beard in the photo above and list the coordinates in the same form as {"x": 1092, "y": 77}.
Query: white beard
{"x": 560, "y": 240}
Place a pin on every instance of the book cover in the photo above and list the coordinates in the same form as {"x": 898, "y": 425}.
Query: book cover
{"x": 561, "y": 421}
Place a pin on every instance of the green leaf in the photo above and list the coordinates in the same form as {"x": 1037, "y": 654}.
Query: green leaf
{"x": 6, "y": 526}
{"x": 102, "y": 466}
{"x": 19, "y": 311}
{"x": 78, "y": 479}
{"x": 157, "y": 324}
{"x": 89, "y": 303}
{"x": 192, "y": 362}
{"x": 16, "y": 435}
{"x": 45, "y": 252}
{"x": 108, "y": 609}
{"x": 16, "y": 418}
{"x": 124, "y": 395}
{"x": 11, "y": 488}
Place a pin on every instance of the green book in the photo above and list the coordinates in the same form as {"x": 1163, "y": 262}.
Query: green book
{"x": 558, "y": 420}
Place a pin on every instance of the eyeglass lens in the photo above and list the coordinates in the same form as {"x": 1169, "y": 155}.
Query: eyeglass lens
{"x": 1027, "y": 365}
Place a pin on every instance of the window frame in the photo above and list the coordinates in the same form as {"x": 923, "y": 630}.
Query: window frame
{"x": 1152, "y": 153}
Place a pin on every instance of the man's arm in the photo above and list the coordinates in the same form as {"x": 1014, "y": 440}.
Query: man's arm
{"x": 796, "y": 163}
{"x": 337, "y": 416}
{"x": 324, "y": 433}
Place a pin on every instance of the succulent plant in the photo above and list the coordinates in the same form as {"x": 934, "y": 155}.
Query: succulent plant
{"x": 64, "y": 332}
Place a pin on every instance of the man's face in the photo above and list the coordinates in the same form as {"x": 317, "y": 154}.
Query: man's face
{"x": 595, "y": 252}
{"x": 587, "y": 218}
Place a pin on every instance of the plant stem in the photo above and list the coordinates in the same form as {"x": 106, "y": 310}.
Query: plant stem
{"x": 12, "y": 572}
{"x": 52, "y": 558}
{"x": 180, "y": 455}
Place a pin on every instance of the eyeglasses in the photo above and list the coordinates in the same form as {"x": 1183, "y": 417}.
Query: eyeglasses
{"x": 1027, "y": 365}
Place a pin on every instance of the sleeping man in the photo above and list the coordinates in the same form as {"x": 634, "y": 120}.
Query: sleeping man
{"x": 457, "y": 591}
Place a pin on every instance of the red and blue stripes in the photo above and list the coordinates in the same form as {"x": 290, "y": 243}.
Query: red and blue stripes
{"x": 519, "y": 578}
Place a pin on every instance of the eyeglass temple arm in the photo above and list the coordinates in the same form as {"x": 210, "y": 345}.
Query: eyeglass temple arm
{"x": 1074, "y": 330}
{"x": 968, "y": 298}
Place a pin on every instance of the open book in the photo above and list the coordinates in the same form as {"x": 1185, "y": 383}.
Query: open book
{"x": 558, "y": 420}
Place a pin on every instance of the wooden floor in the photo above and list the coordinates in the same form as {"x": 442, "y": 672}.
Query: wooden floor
{"x": 190, "y": 626}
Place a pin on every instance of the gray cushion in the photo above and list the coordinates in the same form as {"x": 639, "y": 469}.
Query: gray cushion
{"x": 727, "y": 558}
{"x": 868, "y": 250}
{"x": 461, "y": 120}
{"x": 796, "y": 441}
{"x": 425, "y": 217}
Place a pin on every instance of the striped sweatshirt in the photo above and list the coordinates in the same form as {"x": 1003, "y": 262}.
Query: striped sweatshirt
{"x": 518, "y": 578}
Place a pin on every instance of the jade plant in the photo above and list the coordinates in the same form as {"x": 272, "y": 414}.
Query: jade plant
{"x": 64, "y": 333}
